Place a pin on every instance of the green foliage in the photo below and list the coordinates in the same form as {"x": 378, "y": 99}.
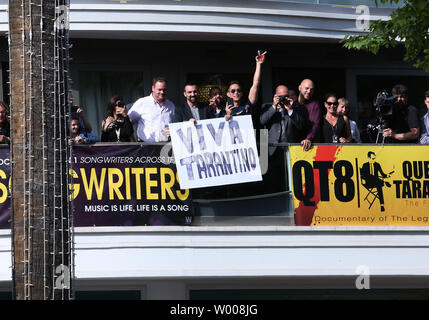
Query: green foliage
{"x": 408, "y": 25}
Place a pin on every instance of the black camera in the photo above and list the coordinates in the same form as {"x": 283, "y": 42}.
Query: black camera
{"x": 119, "y": 120}
{"x": 384, "y": 104}
{"x": 283, "y": 99}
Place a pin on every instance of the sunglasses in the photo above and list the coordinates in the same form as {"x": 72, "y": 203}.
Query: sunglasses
{"x": 332, "y": 103}
{"x": 235, "y": 90}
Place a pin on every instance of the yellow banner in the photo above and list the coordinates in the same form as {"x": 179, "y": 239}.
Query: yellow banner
{"x": 355, "y": 185}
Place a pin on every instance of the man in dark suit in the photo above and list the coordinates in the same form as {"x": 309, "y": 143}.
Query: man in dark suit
{"x": 284, "y": 118}
{"x": 373, "y": 176}
{"x": 192, "y": 110}
{"x": 286, "y": 122}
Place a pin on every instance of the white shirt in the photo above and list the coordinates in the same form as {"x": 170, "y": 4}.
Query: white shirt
{"x": 152, "y": 118}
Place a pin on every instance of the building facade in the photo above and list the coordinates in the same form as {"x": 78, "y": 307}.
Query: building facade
{"x": 119, "y": 46}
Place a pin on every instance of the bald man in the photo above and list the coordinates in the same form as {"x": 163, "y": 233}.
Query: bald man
{"x": 306, "y": 91}
{"x": 285, "y": 119}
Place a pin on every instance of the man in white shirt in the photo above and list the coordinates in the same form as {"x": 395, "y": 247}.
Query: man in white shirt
{"x": 153, "y": 113}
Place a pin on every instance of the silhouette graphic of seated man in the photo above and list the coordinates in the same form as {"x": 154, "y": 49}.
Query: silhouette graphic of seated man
{"x": 373, "y": 176}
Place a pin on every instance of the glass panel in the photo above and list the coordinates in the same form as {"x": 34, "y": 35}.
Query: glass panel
{"x": 267, "y": 202}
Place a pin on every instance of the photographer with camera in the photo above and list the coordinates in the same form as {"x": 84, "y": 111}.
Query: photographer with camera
{"x": 403, "y": 126}
{"x": 78, "y": 136}
{"x": 117, "y": 126}
{"x": 285, "y": 119}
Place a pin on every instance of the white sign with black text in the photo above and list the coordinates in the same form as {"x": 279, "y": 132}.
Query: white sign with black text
{"x": 215, "y": 152}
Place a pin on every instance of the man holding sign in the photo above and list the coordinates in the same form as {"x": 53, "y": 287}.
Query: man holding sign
{"x": 192, "y": 110}
{"x": 215, "y": 152}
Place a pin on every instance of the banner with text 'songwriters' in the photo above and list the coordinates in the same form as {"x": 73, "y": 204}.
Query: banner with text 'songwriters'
{"x": 127, "y": 185}
{"x": 350, "y": 185}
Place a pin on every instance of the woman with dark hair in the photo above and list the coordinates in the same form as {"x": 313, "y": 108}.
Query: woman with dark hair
{"x": 4, "y": 123}
{"x": 335, "y": 128}
{"x": 117, "y": 126}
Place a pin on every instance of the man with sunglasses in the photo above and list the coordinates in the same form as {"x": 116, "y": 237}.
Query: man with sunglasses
{"x": 424, "y": 138}
{"x": 305, "y": 98}
{"x": 236, "y": 105}
{"x": 404, "y": 123}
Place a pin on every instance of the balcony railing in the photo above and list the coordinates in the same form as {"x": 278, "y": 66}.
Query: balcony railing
{"x": 117, "y": 184}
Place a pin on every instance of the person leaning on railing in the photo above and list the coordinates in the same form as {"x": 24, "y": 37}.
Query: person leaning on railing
{"x": 117, "y": 126}
{"x": 335, "y": 128}
{"x": 4, "y": 123}
{"x": 424, "y": 137}
{"x": 78, "y": 136}
{"x": 305, "y": 98}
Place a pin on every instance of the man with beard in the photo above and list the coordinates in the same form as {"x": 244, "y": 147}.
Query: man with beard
{"x": 305, "y": 98}
{"x": 404, "y": 124}
{"x": 192, "y": 110}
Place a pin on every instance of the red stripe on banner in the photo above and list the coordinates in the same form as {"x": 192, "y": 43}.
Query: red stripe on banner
{"x": 304, "y": 214}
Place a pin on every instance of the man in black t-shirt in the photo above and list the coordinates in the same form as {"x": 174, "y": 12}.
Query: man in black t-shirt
{"x": 404, "y": 122}
{"x": 236, "y": 103}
